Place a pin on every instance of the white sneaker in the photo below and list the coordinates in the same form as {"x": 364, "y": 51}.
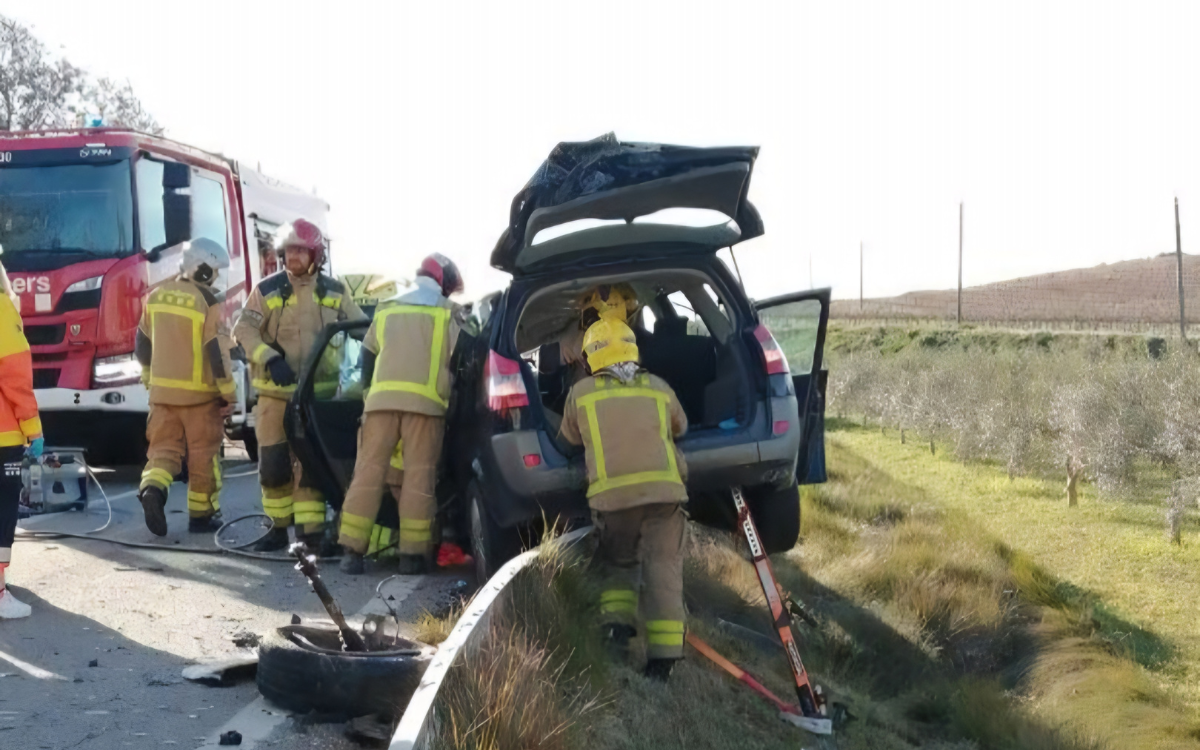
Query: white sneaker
{"x": 11, "y": 609}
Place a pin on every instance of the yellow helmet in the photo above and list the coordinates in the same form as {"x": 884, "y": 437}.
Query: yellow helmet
{"x": 617, "y": 301}
{"x": 609, "y": 342}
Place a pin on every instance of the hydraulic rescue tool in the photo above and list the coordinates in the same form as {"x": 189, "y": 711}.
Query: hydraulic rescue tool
{"x": 308, "y": 566}
{"x": 812, "y": 703}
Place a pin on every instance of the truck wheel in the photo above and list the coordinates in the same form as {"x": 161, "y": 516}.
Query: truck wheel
{"x": 777, "y": 515}
{"x": 303, "y": 669}
{"x": 250, "y": 440}
{"x": 491, "y": 545}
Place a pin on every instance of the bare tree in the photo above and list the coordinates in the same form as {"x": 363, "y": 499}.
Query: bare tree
{"x": 38, "y": 91}
{"x": 35, "y": 91}
{"x": 118, "y": 106}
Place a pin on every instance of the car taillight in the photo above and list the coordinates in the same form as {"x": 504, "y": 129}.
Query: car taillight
{"x": 773, "y": 357}
{"x": 505, "y": 388}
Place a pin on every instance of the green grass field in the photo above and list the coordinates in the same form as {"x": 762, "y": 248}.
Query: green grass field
{"x": 956, "y": 609}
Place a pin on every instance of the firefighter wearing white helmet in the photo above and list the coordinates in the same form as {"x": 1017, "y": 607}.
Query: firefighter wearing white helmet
{"x": 407, "y": 379}
{"x": 183, "y": 343}
{"x": 278, "y": 328}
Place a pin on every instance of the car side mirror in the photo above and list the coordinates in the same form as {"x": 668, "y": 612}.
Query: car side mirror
{"x": 177, "y": 203}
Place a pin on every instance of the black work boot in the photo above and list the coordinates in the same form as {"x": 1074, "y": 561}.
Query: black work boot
{"x": 154, "y": 501}
{"x": 413, "y": 565}
{"x": 659, "y": 670}
{"x": 352, "y": 563}
{"x": 320, "y": 544}
{"x": 617, "y": 636}
{"x": 275, "y": 540}
{"x": 207, "y": 525}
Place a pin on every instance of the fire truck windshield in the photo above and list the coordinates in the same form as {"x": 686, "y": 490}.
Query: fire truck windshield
{"x": 51, "y": 216}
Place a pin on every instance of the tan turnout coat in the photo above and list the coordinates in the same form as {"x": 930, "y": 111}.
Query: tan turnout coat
{"x": 284, "y": 315}
{"x": 413, "y": 345}
{"x": 184, "y": 343}
{"x": 628, "y": 433}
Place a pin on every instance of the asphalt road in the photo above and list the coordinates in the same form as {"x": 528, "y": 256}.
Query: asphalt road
{"x": 142, "y": 615}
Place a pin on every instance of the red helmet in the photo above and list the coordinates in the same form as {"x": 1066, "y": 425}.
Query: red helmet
{"x": 303, "y": 234}
{"x": 442, "y": 270}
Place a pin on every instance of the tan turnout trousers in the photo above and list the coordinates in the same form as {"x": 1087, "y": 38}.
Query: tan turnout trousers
{"x": 288, "y": 494}
{"x": 419, "y": 437}
{"x": 192, "y": 431}
{"x": 652, "y": 536}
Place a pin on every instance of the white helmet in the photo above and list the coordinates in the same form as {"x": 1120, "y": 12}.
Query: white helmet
{"x": 201, "y": 259}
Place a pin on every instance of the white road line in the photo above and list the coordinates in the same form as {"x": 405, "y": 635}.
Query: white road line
{"x": 31, "y": 670}
{"x": 255, "y": 722}
{"x": 239, "y": 475}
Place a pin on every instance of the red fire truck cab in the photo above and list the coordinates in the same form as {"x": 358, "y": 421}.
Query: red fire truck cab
{"x": 89, "y": 223}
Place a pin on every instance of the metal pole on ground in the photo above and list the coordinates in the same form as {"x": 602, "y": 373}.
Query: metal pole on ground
{"x": 1179, "y": 269}
{"x": 960, "y": 230}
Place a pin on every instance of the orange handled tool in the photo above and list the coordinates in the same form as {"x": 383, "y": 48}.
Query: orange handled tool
{"x": 739, "y": 673}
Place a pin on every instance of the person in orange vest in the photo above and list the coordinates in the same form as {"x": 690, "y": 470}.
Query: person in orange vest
{"x": 20, "y": 433}
{"x": 183, "y": 343}
{"x": 627, "y": 421}
{"x": 406, "y": 374}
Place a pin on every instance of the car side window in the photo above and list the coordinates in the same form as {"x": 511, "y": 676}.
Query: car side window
{"x": 338, "y": 376}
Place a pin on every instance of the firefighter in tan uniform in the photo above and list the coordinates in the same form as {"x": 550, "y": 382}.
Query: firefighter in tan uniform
{"x": 277, "y": 329}
{"x": 183, "y": 343}
{"x": 406, "y": 371}
{"x": 627, "y": 421}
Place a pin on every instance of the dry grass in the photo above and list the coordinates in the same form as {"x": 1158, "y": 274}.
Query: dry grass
{"x": 937, "y": 629}
{"x": 432, "y": 629}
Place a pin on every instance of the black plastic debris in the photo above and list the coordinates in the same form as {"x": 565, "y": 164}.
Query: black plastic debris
{"x": 94, "y": 663}
{"x": 232, "y": 737}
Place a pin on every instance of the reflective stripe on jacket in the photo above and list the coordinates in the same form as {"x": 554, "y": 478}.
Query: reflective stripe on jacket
{"x": 184, "y": 343}
{"x": 19, "y": 421}
{"x": 628, "y": 433}
{"x": 283, "y": 316}
{"x": 413, "y": 344}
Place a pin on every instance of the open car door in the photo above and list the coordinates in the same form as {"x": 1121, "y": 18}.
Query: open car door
{"x": 323, "y": 414}
{"x": 798, "y": 322}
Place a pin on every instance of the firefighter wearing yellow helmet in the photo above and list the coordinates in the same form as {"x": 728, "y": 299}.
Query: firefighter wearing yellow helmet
{"x": 616, "y": 301}
{"x": 627, "y": 421}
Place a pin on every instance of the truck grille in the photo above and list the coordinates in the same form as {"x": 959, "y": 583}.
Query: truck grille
{"x": 45, "y": 335}
{"x": 45, "y": 378}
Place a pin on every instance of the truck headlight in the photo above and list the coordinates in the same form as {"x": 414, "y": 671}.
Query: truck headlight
{"x": 87, "y": 285}
{"x": 109, "y": 372}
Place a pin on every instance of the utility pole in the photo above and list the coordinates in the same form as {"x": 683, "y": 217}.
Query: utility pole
{"x": 960, "y": 230}
{"x": 1179, "y": 269}
{"x": 860, "y": 275}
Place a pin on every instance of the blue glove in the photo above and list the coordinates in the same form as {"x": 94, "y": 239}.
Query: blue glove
{"x": 34, "y": 449}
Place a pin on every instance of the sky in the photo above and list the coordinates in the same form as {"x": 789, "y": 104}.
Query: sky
{"x": 1065, "y": 129}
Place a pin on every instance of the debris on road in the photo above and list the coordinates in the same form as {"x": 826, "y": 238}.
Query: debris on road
{"x": 232, "y": 737}
{"x": 94, "y": 663}
{"x": 369, "y": 730}
{"x": 246, "y": 639}
{"x": 224, "y": 672}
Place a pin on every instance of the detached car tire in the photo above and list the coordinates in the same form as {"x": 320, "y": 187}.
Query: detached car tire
{"x": 327, "y": 681}
{"x": 491, "y": 545}
{"x": 777, "y": 515}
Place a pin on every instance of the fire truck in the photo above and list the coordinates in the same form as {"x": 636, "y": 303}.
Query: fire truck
{"x": 90, "y": 221}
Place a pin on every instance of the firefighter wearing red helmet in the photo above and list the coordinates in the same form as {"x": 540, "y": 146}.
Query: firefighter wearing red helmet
{"x": 278, "y": 328}
{"x": 407, "y": 379}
